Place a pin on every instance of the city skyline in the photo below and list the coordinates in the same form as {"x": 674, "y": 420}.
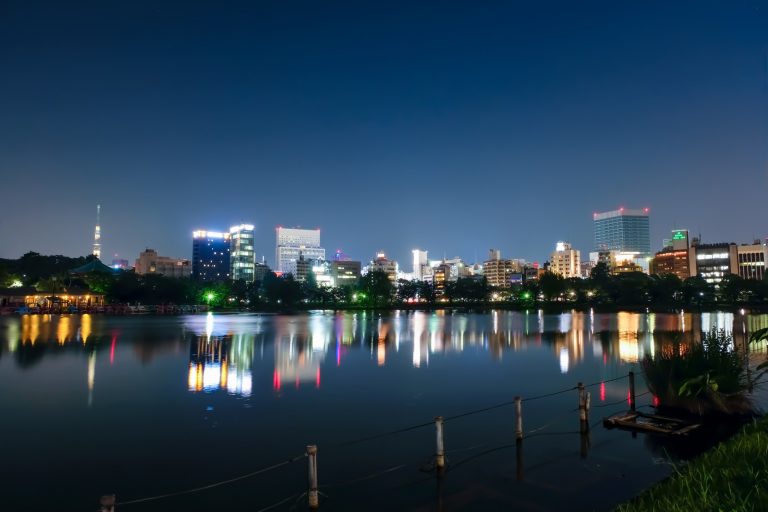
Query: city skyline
{"x": 445, "y": 127}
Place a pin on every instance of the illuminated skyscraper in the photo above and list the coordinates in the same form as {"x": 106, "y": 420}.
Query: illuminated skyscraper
{"x": 565, "y": 261}
{"x": 623, "y": 230}
{"x": 210, "y": 255}
{"x": 242, "y": 257}
{"x": 290, "y": 242}
{"x": 97, "y": 234}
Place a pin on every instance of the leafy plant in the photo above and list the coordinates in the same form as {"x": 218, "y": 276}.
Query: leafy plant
{"x": 703, "y": 378}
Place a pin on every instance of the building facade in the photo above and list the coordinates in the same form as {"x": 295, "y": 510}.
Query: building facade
{"x": 242, "y": 258}
{"x": 149, "y": 262}
{"x": 565, "y": 260}
{"x": 290, "y": 242}
{"x": 674, "y": 258}
{"x": 345, "y": 273}
{"x": 210, "y": 256}
{"x": 498, "y": 271}
{"x": 713, "y": 261}
{"x": 384, "y": 264}
{"x": 623, "y": 230}
{"x": 751, "y": 260}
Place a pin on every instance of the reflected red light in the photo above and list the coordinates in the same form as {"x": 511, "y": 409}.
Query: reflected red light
{"x": 297, "y": 382}
{"x": 112, "y": 349}
{"x": 317, "y": 379}
{"x": 605, "y": 359}
{"x": 276, "y": 380}
{"x": 338, "y": 352}
{"x": 602, "y": 391}
{"x": 655, "y": 400}
{"x": 629, "y": 398}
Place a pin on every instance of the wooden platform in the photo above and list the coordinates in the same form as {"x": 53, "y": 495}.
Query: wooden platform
{"x": 650, "y": 423}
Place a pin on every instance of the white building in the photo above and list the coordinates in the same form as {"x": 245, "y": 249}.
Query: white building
{"x": 751, "y": 259}
{"x": 290, "y": 242}
{"x": 420, "y": 264}
{"x": 565, "y": 261}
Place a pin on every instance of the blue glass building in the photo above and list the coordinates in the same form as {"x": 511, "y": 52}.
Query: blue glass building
{"x": 210, "y": 256}
{"x": 623, "y": 230}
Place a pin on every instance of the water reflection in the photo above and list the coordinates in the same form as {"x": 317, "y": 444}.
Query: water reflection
{"x": 222, "y": 347}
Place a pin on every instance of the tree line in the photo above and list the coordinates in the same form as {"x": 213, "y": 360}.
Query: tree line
{"x": 376, "y": 290}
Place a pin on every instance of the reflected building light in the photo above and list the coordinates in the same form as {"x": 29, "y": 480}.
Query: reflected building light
{"x": 85, "y": 326}
{"x": 209, "y": 325}
{"x": 112, "y": 349}
{"x": 211, "y": 376}
{"x": 602, "y": 391}
{"x": 13, "y": 336}
{"x": 192, "y": 377}
{"x": 62, "y": 330}
{"x": 628, "y": 327}
{"x": 381, "y": 353}
{"x": 564, "y": 360}
{"x": 91, "y": 376}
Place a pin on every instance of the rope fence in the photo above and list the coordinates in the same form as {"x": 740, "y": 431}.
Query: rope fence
{"x": 438, "y": 462}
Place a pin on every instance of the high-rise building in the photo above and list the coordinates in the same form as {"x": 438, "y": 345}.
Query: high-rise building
{"x": 149, "y": 262}
{"x": 498, "y": 271}
{"x": 623, "y": 230}
{"x": 290, "y": 242}
{"x": 210, "y": 255}
{"x": 420, "y": 263}
{"x": 752, "y": 259}
{"x": 565, "y": 260}
{"x": 242, "y": 259}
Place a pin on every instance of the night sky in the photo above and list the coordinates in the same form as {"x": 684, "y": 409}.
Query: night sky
{"x": 453, "y": 127}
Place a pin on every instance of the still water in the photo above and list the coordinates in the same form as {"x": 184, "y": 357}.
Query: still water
{"x": 145, "y": 406}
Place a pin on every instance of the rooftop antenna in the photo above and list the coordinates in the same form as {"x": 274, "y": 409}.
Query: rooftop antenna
{"x": 97, "y": 234}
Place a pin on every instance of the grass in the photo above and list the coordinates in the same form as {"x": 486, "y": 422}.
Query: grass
{"x": 731, "y": 477}
{"x": 703, "y": 378}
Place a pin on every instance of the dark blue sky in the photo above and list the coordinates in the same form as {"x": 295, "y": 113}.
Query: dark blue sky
{"x": 454, "y": 127}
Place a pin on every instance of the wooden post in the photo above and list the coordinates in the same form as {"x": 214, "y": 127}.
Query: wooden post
{"x": 583, "y": 423}
{"x": 518, "y": 418}
{"x": 587, "y": 404}
{"x": 107, "y": 503}
{"x": 314, "y": 500}
{"x": 632, "y": 391}
{"x": 440, "y": 453}
{"x": 519, "y": 458}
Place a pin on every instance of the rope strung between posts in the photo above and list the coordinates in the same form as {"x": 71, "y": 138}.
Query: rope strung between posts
{"x": 215, "y": 484}
{"x": 471, "y": 413}
{"x": 606, "y": 381}
{"x": 385, "y": 434}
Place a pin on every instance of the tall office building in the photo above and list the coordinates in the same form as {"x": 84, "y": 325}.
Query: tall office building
{"x": 420, "y": 263}
{"x": 210, "y": 255}
{"x": 623, "y": 230}
{"x": 242, "y": 259}
{"x": 290, "y": 242}
{"x": 565, "y": 261}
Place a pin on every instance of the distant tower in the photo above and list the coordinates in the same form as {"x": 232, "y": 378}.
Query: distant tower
{"x": 97, "y": 234}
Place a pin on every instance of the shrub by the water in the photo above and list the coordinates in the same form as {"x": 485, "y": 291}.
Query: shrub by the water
{"x": 702, "y": 378}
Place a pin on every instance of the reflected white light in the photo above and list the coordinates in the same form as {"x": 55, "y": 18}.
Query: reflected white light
{"x": 564, "y": 360}
{"x": 209, "y": 324}
{"x": 211, "y": 376}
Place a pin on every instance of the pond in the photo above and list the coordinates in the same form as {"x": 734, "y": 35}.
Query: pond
{"x": 146, "y": 406}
